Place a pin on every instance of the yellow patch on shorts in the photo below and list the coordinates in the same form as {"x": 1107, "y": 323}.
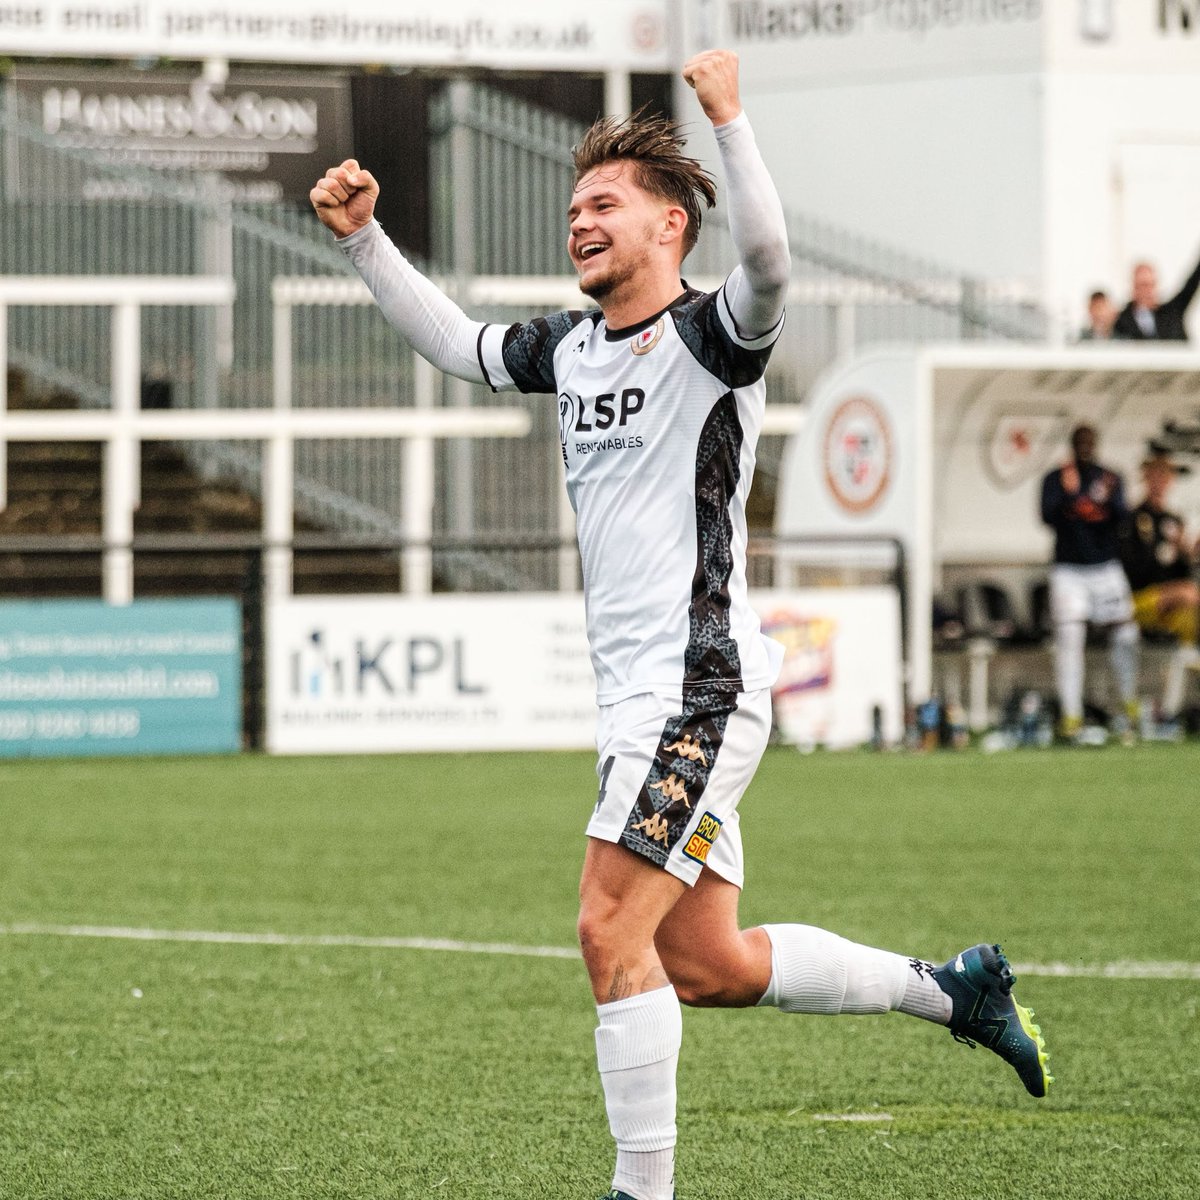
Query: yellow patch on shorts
{"x": 701, "y": 841}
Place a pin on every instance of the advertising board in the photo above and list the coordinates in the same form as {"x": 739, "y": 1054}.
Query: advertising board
{"x": 377, "y": 673}
{"x": 807, "y": 42}
{"x": 535, "y": 35}
{"x": 509, "y": 672}
{"x": 80, "y": 677}
{"x": 269, "y": 136}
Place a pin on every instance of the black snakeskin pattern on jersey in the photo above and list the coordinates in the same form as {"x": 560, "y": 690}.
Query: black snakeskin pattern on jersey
{"x": 675, "y": 783}
{"x": 701, "y": 331}
{"x": 711, "y": 654}
{"x": 712, "y": 666}
{"x": 529, "y": 349}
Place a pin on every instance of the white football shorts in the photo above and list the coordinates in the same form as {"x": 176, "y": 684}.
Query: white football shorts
{"x": 1099, "y": 594}
{"x": 671, "y": 775}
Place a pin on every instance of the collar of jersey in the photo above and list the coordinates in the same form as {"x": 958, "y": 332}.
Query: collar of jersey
{"x": 619, "y": 335}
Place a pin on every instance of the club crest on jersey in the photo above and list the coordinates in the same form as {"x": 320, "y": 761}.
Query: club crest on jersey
{"x": 701, "y": 841}
{"x": 645, "y": 341}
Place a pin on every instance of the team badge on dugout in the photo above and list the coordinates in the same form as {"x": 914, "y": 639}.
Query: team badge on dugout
{"x": 701, "y": 842}
{"x": 645, "y": 341}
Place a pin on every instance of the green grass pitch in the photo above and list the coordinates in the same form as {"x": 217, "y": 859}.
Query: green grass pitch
{"x": 154, "y": 1069}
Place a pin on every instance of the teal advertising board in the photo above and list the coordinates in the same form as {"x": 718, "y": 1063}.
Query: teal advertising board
{"x": 81, "y": 677}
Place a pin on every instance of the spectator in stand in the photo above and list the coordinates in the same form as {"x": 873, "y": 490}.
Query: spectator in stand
{"x": 1102, "y": 314}
{"x": 1145, "y": 319}
{"x": 1084, "y": 503}
{"x": 1159, "y": 562}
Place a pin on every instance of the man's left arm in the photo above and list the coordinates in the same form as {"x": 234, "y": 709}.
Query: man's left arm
{"x": 756, "y": 290}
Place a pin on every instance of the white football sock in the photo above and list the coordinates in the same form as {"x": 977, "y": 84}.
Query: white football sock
{"x": 923, "y": 996}
{"x": 1183, "y": 658}
{"x": 637, "y": 1050}
{"x": 1123, "y": 654}
{"x": 814, "y": 971}
{"x": 1069, "y": 639}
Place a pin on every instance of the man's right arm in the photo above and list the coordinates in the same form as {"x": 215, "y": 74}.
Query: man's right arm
{"x": 344, "y": 199}
{"x": 432, "y": 323}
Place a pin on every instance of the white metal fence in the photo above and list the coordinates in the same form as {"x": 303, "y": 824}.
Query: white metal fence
{"x": 123, "y": 427}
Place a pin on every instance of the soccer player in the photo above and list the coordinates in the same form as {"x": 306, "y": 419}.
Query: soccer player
{"x": 1159, "y": 564}
{"x": 660, "y": 399}
{"x": 1084, "y": 503}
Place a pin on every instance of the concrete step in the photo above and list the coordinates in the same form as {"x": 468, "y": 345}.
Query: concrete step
{"x": 50, "y": 515}
{"x": 55, "y": 489}
{"x": 54, "y": 453}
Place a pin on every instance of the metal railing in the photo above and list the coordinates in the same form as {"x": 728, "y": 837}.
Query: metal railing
{"x": 126, "y": 425}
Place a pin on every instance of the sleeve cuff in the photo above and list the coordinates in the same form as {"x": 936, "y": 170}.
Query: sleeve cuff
{"x": 359, "y": 235}
{"x": 730, "y": 128}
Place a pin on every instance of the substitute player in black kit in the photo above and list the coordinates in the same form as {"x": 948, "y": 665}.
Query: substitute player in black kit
{"x": 1084, "y": 503}
{"x": 660, "y": 398}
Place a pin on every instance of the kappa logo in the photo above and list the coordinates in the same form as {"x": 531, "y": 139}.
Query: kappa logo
{"x": 645, "y": 341}
{"x": 687, "y": 747}
{"x": 672, "y": 789}
{"x": 701, "y": 841}
{"x": 655, "y": 828}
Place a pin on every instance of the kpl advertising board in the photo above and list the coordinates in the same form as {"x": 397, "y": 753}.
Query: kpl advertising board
{"x": 387, "y": 674}
{"x": 371, "y": 673}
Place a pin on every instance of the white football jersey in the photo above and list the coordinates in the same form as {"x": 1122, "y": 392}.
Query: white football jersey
{"x": 659, "y": 425}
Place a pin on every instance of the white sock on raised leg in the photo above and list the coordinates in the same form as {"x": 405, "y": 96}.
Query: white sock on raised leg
{"x": 814, "y": 971}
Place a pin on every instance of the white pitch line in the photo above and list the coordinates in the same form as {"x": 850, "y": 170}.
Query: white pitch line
{"x": 228, "y": 938}
{"x": 1122, "y": 969}
{"x": 871, "y": 1116}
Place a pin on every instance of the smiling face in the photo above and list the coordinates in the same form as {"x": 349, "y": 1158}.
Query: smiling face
{"x": 618, "y": 231}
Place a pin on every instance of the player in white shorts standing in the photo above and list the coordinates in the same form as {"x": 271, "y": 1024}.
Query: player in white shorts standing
{"x": 1084, "y": 503}
{"x": 660, "y": 398}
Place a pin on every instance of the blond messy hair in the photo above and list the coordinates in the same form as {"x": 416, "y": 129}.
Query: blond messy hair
{"x": 655, "y": 146}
